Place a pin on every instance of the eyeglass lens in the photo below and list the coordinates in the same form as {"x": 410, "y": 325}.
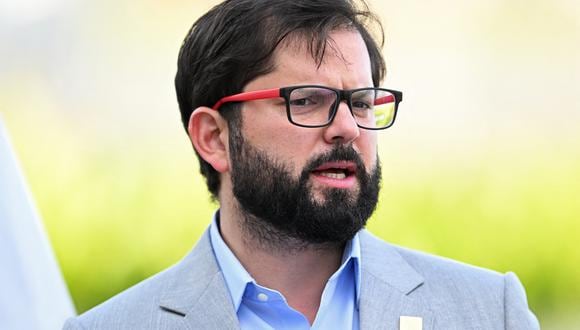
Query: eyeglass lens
{"x": 313, "y": 106}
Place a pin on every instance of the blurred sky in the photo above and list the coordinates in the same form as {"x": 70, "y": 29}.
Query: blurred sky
{"x": 475, "y": 73}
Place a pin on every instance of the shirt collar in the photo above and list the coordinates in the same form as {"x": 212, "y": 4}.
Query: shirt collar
{"x": 236, "y": 276}
{"x": 352, "y": 252}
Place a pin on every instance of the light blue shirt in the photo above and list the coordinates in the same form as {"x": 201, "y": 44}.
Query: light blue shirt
{"x": 259, "y": 307}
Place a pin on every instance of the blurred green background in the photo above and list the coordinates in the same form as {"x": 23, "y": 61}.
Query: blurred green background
{"x": 483, "y": 164}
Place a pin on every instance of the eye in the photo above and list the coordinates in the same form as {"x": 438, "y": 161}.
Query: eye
{"x": 302, "y": 102}
{"x": 361, "y": 105}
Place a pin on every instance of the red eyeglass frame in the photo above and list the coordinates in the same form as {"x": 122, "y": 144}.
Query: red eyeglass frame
{"x": 249, "y": 96}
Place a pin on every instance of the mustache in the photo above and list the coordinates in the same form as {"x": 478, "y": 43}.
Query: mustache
{"x": 339, "y": 152}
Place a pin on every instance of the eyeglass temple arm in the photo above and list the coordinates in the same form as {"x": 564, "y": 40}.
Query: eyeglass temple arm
{"x": 384, "y": 99}
{"x": 248, "y": 96}
{"x": 389, "y": 99}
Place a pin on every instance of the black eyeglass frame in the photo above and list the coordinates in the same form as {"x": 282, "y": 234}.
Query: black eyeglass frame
{"x": 284, "y": 92}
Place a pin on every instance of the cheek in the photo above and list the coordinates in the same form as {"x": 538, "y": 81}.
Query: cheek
{"x": 280, "y": 139}
{"x": 291, "y": 147}
{"x": 367, "y": 144}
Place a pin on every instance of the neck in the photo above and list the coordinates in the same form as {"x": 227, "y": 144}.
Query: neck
{"x": 297, "y": 269}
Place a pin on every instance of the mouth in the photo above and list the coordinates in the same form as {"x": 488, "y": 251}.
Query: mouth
{"x": 341, "y": 174}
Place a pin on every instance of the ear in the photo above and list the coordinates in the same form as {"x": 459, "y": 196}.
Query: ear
{"x": 208, "y": 133}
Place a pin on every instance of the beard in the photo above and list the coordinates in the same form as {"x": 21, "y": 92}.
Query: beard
{"x": 279, "y": 210}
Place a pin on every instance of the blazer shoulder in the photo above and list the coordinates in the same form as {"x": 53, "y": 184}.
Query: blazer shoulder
{"x": 128, "y": 307}
{"x": 495, "y": 296}
{"x": 158, "y": 300}
{"x": 457, "y": 292}
{"x": 428, "y": 265}
{"x": 434, "y": 265}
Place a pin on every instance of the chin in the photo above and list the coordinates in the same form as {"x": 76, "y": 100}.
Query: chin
{"x": 324, "y": 196}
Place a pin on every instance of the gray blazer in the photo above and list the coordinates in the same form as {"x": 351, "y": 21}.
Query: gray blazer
{"x": 395, "y": 282}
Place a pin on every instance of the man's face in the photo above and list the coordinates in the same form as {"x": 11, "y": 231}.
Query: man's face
{"x": 312, "y": 184}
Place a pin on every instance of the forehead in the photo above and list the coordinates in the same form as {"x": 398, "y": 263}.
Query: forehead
{"x": 343, "y": 62}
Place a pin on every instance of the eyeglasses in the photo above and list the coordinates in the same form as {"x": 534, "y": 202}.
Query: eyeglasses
{"x": 316, "y": 106}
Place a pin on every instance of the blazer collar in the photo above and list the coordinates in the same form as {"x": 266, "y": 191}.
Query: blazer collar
{"x": 388, "y": 282}
{"x": 196, "y": 291}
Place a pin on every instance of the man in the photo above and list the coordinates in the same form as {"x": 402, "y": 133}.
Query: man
{"x": 281, "y": 102}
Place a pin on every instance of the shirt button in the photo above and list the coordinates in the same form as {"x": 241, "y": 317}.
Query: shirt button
{"x": 262, "y": 297}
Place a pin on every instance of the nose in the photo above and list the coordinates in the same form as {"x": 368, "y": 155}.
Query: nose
{"x": 343, "y": 128}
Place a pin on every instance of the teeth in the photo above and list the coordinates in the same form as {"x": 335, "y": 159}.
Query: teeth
{"x": 333, "y": 175}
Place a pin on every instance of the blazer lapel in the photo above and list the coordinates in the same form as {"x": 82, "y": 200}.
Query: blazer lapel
{"x": 386, "y": 286}
{"x": 198, "y": 293}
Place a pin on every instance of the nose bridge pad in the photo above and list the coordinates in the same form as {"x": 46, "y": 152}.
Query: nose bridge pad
{"x": 342, "y": 97}
{"x": 333, "y": 110}
{"x": 346, "y": 103}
